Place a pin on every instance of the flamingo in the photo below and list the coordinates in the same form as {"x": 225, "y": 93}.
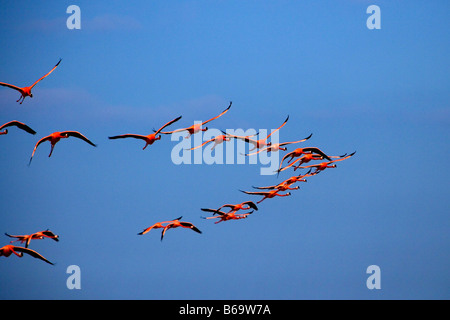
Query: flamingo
{"x": 257, "y": 144}
{"x": 198, "y": 126}
{"x": 286, "y": 184}
{"x": 37, "y": 235}
{"x": 267, "y": 194}
{"x": 240, "y": 206}
{"x": 277, "y": 146}
{"x": 304, "y": 159}
{"x": 324, "y": 165}
{"x": 310, "y": 153}
{"x": 175, "y": 223}
{"x": 56, "y": 136}
{"x": 18, "y": 124}
{"x": 26, "y": 91}
{"x": 149, "y": 139}
{"x": 226, "y": 216}
{"x": 9, "y": 249}
{"x": 301, "y": 151}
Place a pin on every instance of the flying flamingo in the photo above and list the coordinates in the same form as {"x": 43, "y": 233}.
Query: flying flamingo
{"x": 175, "y": 223}
{"x": 240, "y": 206}
{"x": 9, "y": 249}
{"x": 257, "y": 144}
{"x": 56, "y": 136}
{"x": 37, "y": 235}
{"x": 286, "y": 184}
{"x": 18, "y": 124}
{"x": 323, "y": 165}
{"x": 267, "y": 194}
{"x": 301, "y": 151}
{"x": 149, "y": 139}
{"x": 198, "y": 126}
{"x": 226, "y": 216}
{"x": 26, "y": 91}
{"x": 277, "y": 146}
{"x": 310, "y": 153}
{"x": 307, "y": 157}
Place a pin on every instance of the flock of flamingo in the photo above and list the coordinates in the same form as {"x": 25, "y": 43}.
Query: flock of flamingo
{"x": 301, "y": 155}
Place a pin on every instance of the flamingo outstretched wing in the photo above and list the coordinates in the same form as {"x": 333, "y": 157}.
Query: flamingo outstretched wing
{"x": 167, "y": 124}
{"x": 18, "y": 124}
{"x": 11, "y": 86}
{"x": 46, "y": 75}
{"x": 78, "y": 135}
{"x": 32, "y": 253}
{"x": 221, "y": 114}
{"x": 128, "y": 135}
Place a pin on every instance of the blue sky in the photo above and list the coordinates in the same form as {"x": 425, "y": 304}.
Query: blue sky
{"x": 133, "y": 67}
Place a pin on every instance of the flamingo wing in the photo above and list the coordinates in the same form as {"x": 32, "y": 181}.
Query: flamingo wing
{"x": 190, "y": 226}
{"x": 256, "y": 152}
{"x": 265, "y": 188}
{"x": 20, "y": 125}
{"x": 167, "y": 124}
{"x": 214, "y": 211}
{"x": 50, "y": 235}
{"x": 244, "y": 138}
{"x": 147, "y": 230}
{"x": 19, "y": 238}
{"x": 251, "y": 204}
{"x": 177, "y": 130}
{"x": 32, "y": 253}
{"x": 78, "y": 135}
{"x": 128, "y": 135}
{"x": 290, "y": 154}
{"x": 208, "y": 141}
{"x": 221, "y": 114}
{"x": 11, "y": 86}
{"x": 343, "y": 158}
{"x": 259, "y": 193}
{"x": 37, "y": 145}
{"x": 303, "y": 140}
{"x": 282, "y": 125}
{"x": 46, "y": 74}
{"x": 169, "y": 226}
{"x": 318, "y": 151}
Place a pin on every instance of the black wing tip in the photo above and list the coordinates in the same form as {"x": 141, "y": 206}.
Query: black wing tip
{"x": 196, "y": 229}
{"x": 252, "y": 205}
